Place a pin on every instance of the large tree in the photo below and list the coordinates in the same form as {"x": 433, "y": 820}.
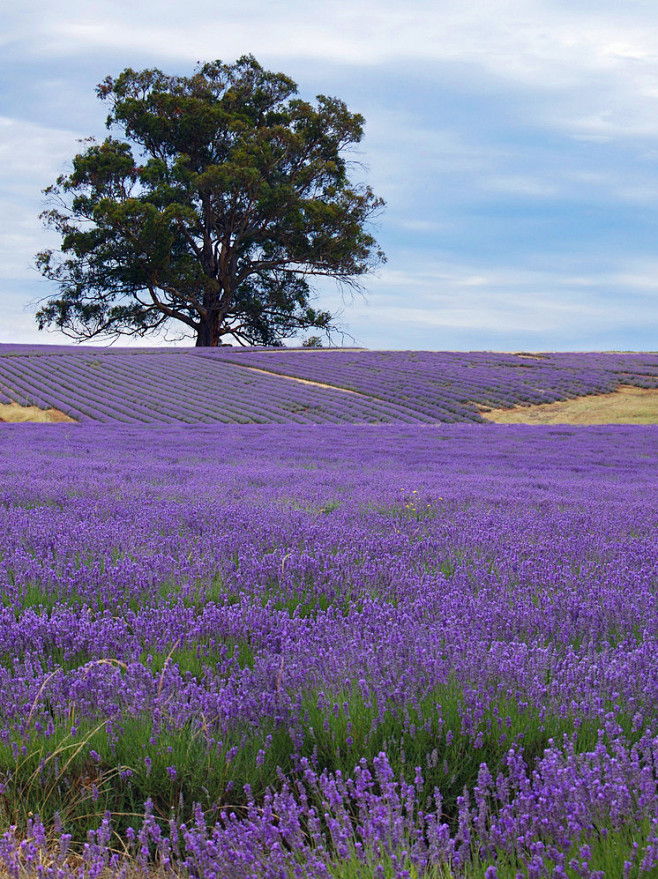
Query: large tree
{"x": 223, "y": 199}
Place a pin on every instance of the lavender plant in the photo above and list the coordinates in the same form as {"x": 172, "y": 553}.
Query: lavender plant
{"x": 268, "y": 650}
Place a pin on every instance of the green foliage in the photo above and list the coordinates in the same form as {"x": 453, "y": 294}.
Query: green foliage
{"x": 80, "y": 769}
{"x": 227, "y": 194}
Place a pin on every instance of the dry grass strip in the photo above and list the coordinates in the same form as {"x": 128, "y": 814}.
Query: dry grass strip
{"x": 301, "y": 381}
{"x": 627, "y": 405}
{"x": 15, "y": 413}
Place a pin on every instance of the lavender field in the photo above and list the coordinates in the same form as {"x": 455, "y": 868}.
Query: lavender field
{"x": 333, "y": 386}
{"x": 285, "y": 651}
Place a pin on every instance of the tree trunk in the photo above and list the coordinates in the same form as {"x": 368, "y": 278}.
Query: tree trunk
{"x": 208, "y": 335}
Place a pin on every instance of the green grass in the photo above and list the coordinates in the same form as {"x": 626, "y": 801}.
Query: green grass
{"x": 202, "y": 658}
{"x": 605, "y": 851}
{"x": 429, "y": 735}
{"x": 57, "y": 774}
{"x": 41, "y": 596}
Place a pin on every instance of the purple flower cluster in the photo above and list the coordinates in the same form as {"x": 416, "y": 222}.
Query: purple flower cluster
{"x": 541, "y": 820}
{"x": 165, "y": 386}
{"x": 413, "y": 644}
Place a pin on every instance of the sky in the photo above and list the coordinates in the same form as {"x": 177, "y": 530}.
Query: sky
{"x": 514, "y": 141}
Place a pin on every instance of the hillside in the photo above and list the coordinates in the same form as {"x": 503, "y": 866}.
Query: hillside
{"x": 190, "y": 385}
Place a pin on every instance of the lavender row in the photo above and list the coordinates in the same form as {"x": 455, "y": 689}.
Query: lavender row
{"x": 170, "y": 386}
{"x": 451, "y": 386}
{"x": 204, "y": 385}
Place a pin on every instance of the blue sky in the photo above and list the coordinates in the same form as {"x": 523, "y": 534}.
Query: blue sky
{"x": 515, "y": 142}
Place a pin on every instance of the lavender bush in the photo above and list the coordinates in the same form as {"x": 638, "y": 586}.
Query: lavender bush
{"x": 281, "y": 651}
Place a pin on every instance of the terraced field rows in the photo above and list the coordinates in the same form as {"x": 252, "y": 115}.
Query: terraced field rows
{"x": 448, "y": 386}
{"x": 155, "y": 385}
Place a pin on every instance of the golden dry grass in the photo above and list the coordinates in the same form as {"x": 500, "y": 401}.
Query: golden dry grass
{"x": 14, "y": 413}
{"x": 627, "y": 405}
{"x": 302, "y": 381}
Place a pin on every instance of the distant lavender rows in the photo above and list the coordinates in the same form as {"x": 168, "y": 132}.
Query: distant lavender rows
{"x": 449, "y": 386}
{"x": 172, "y": 387}
{"x": 518, "y": 563}
{"x": 154, "y": 385}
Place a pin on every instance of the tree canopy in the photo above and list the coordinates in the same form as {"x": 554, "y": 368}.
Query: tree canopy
{"x": 222, "y": 201}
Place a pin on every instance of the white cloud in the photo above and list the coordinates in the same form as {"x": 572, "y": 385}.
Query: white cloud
{"x": 31, "y": 152}
{"x": 539, "y": 41}
{"x": 31, "y": 157}
{"x": 594, "y": 69}
{"x": 516, "y": 301}
{"x": 641, "y": 277}
{"x": 517, "y": 184}
{"x": 423, "y": 226}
